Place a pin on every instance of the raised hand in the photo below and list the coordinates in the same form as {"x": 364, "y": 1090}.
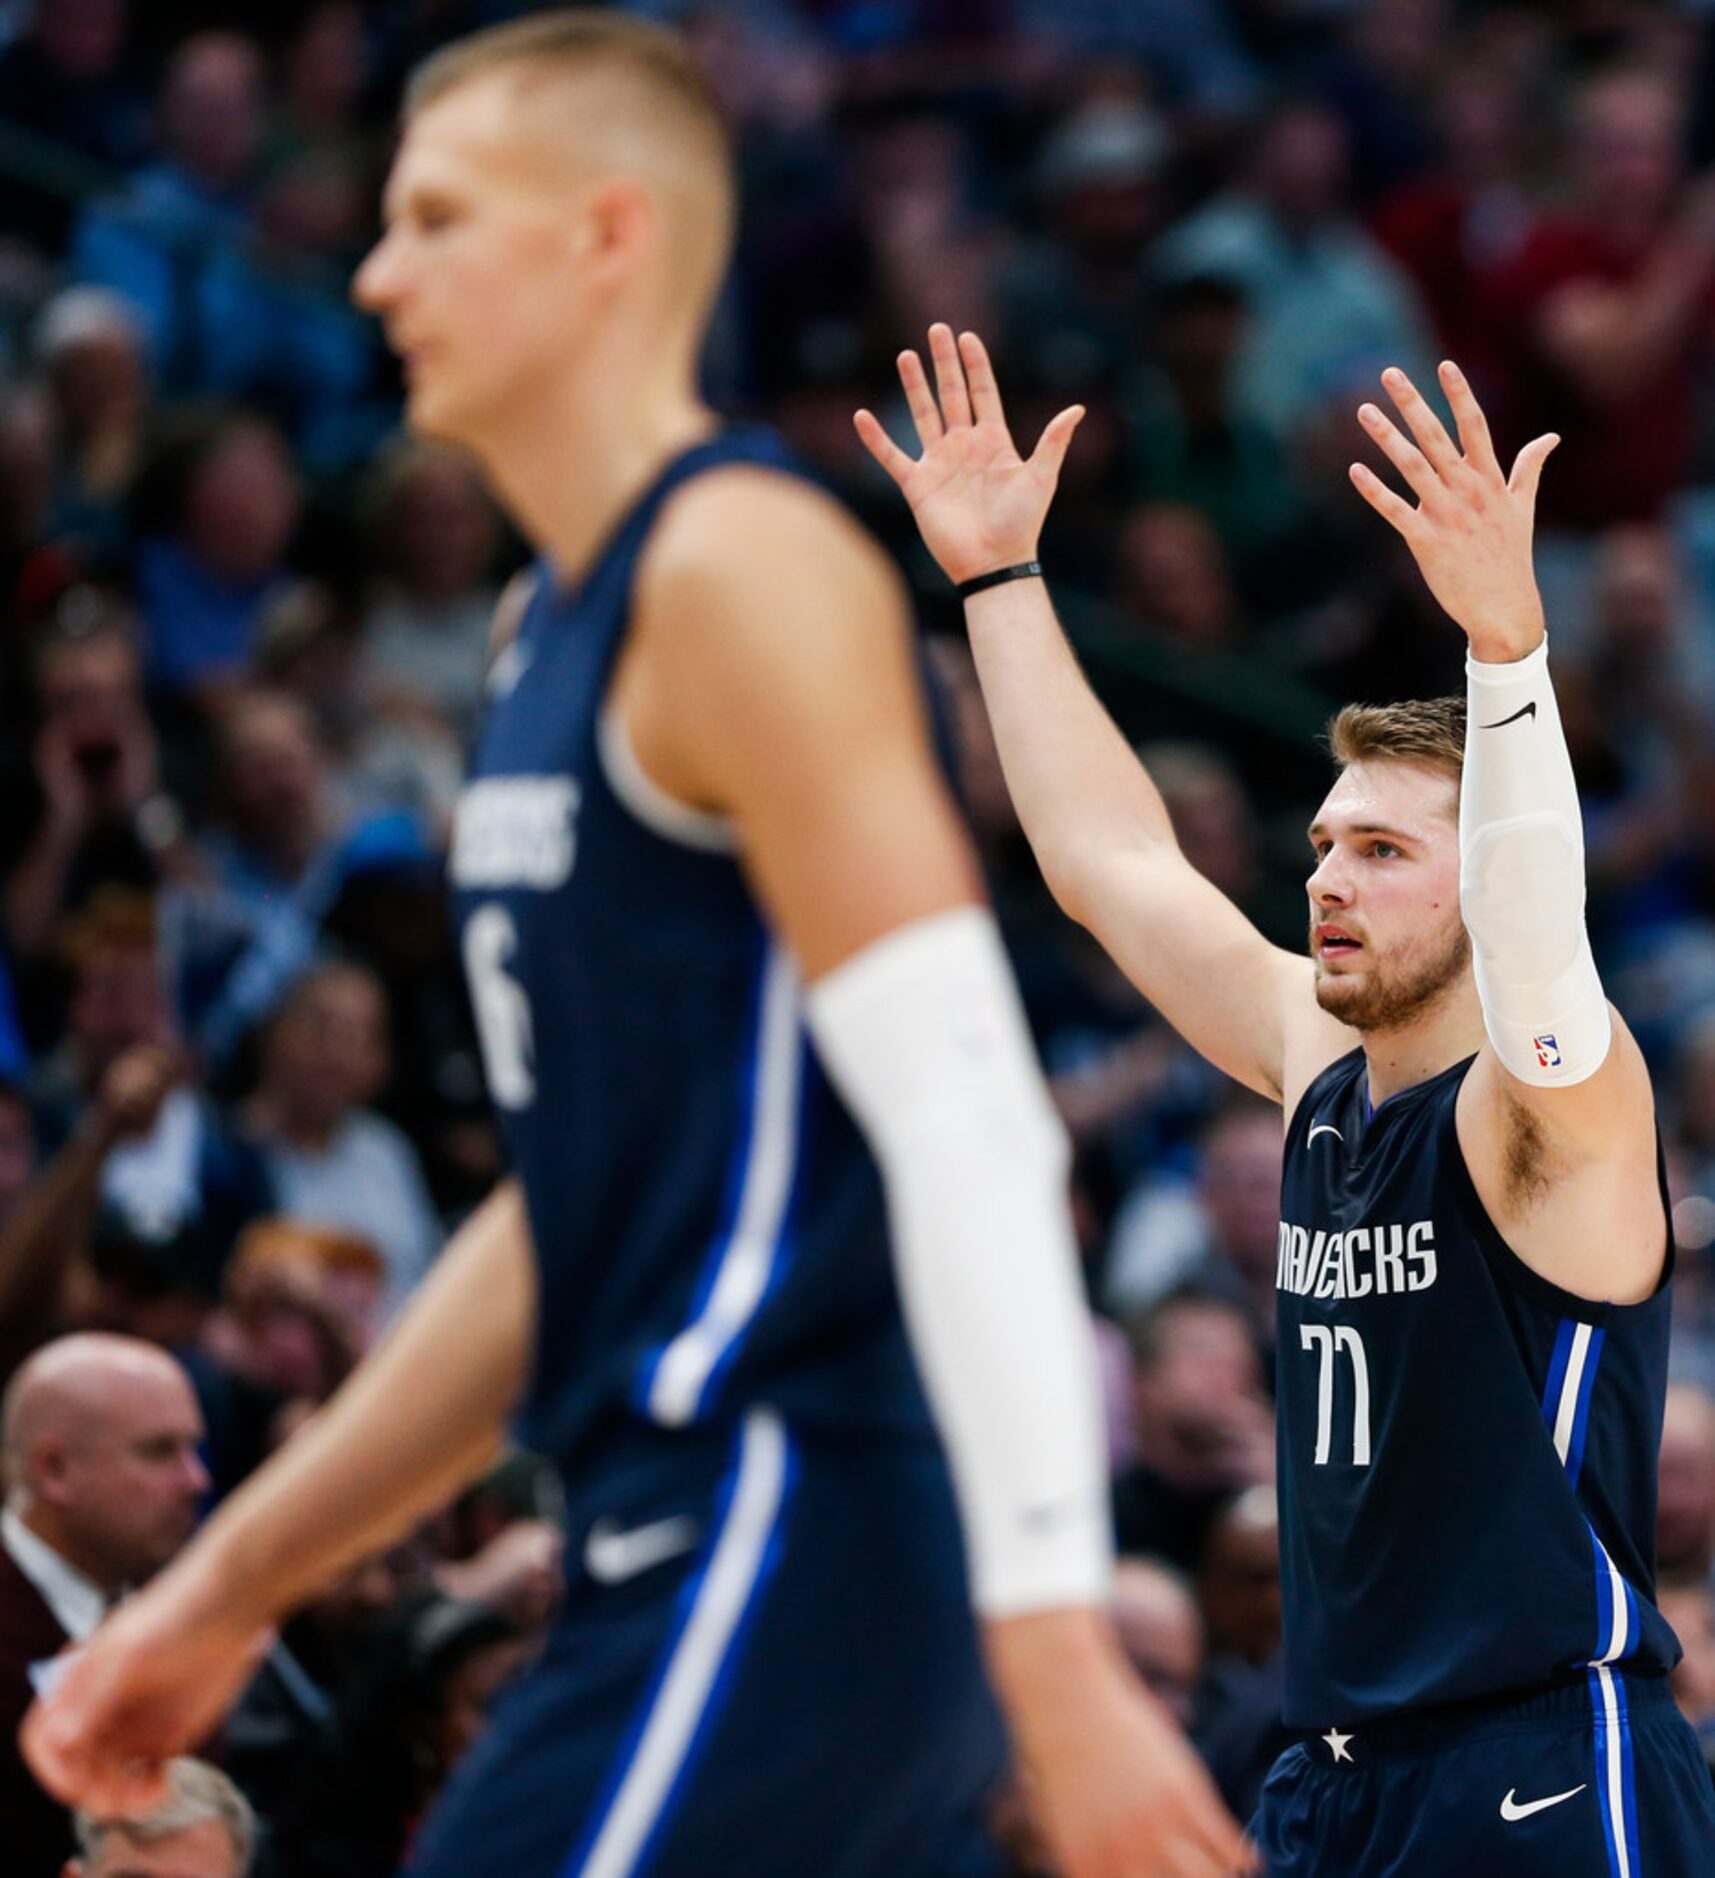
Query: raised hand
{"x": 978, "y": 503}
{"x": 1471, "y": 528}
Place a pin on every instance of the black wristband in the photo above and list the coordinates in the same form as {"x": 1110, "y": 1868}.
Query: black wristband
{"x": 1022, "y": 570}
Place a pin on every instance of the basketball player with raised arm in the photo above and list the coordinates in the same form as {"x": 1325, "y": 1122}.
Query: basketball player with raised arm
{"x": 1474, "y": 1242}
{"x": 708, "y": 874}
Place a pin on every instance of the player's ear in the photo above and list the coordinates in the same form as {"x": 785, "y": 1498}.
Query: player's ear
{"x": 619, "y": 222}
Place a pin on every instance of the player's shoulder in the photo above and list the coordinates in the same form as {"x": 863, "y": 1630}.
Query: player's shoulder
{"x": 756, "y": 529}
{"x": 756, "y": 575}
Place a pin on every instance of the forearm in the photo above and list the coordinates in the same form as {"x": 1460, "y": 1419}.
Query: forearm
{"x": 417, "y": 1420}
{"x": 923, "y": 1036}
{"x": 35, "y": 893}
{"x": 49, "y": 1224}
{"x": 1522, "y": 877}
{"x": 1078, "y": 787}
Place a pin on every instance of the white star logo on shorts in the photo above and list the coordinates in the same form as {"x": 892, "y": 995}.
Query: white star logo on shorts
{"x": 1337, "y": 1742}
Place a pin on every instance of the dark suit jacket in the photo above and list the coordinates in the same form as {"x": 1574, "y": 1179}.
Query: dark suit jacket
{"x": 36, "y": 1835}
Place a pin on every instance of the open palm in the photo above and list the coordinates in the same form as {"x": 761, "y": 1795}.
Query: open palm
{"x": 979, "y": 505}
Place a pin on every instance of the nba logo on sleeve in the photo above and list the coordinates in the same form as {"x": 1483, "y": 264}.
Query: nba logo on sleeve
{"x": 1547, "y": 1050}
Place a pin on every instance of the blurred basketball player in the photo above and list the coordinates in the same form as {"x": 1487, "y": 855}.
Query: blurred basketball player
{"x": 705, "y": 830}
{"x": 1474, "y": 1249}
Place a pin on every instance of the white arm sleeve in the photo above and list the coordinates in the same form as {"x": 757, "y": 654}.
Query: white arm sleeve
{"x": 1521, "y": 878}
{"x": 923, "y": 1035}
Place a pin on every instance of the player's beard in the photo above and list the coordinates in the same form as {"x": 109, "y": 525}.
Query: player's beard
{"x": 1391, "y": 997}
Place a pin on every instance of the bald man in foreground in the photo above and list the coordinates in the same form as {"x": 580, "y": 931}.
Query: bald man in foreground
{"x": 766, "y": 1084}
{"x": 103, "y": 1483}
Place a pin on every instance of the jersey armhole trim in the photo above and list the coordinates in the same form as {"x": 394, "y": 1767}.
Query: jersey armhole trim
{"x": 637, "y": 791}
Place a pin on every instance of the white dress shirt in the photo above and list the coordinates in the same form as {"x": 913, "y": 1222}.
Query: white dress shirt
{"x": 78, "y": 1604}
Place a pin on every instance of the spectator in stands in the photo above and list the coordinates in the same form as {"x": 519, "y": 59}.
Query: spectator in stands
{"x": 65, "y": 77}
{"x": 296, "y": 829}
{"x": 300, "y": 1304}
{"x": 204, "y": 1829}
{"x": 227, "y": 498}
{"x": 29, "y": 457}
{"x": 1160, "y": 1630}
{"x": 1204, "y": 1426}
{"x": 1074, "y": 298}
{"x": 1382, "y": 79}
{"x": 324, "y": 74}
{"x": 1458, "y": 228}
{"x": 1220, "y": 1236}
{"x": 1685, "y": 1504}
{"x": 189, "y": 1173}
{"x": 329, "y": 1800}
{"x": 94, "y": 811}
{"x": 1610, "y": 302}
{"x": 49, "y": 1219}
{"x": 283, "y": 806}
{"x": 1238, "y": 1580}
{"x": 89, "y": 350}
{"x": 1329, "y": 309}
{"x": 1171, "y": 576}
{"x": 436, "y": 535}
{"x": 1193, "y": 437}
{"x": 149, "y": 242}
{"x": 103, "y": 1483}
{"x": 1239, "y": 1729}
{"x": 334, "y": 1161}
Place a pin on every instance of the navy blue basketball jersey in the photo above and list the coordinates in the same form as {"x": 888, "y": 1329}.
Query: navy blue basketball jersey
{"x": 1467, "y": 1452}
{"x": 708, "y": 1224}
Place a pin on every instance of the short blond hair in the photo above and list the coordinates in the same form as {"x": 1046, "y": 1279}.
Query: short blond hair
{"x": 1428, "y": 731}
{"x": 580, "y": 40}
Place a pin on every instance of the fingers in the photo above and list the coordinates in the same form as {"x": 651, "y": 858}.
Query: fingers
{"x": 1052, "y": 445}
{"x": 949, "y": 376}
{"x": 1399, "y": 450}
{"x": 979, "y": 375}
{"x": 1390, "y": 506}
{"x": 882, "y": 447}
{"x": 920, "y": 400}
{"x": 1426, "y": 427}
{"x": 1527, "y": 466}
{"x": 1474, "y": 438}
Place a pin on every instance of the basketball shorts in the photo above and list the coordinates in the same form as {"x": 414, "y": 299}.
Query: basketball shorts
{"x": 1601, "y": 1778}
{"x": 766, "y": 1667}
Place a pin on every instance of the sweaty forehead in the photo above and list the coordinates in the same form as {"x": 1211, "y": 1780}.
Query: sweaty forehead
{"x": 1405, "y": 798}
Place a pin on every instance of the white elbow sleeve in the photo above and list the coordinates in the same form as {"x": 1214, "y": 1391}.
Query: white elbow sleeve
{"x": 923, "y": 1036}
{"x": 1521, "y": 878}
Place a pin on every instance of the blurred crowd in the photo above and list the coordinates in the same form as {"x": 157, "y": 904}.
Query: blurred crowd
{"x": 243, "y": 626}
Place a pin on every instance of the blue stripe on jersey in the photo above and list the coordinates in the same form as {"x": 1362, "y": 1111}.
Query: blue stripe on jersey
{"x": 1571, "y": 1385}
{"x": 716, "y": 1606}
{"x": 1616, "y": 1784}
{"x": 751, "y": 1249}
{"x": 1557, "y": 1371}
